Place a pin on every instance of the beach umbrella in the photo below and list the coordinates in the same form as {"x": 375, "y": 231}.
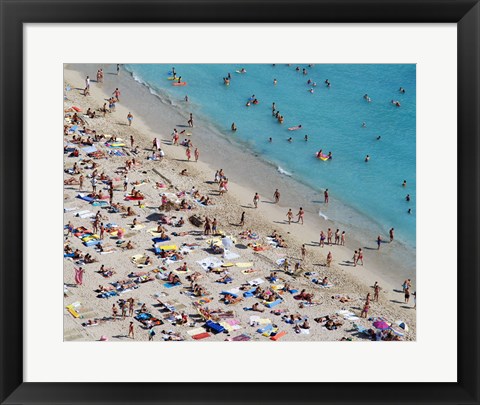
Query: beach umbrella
{"x": 227, "y": 242}
{"x": 382, "y": 325}
{"x": 403, "y": 325}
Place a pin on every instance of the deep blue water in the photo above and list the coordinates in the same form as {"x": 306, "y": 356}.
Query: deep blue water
{"x": 331, "y": 117}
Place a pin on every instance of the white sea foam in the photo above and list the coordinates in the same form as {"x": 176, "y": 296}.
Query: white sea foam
{"x": 282, "y": 171}
{"x": 321, "y": 214}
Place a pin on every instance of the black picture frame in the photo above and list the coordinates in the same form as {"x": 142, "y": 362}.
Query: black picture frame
{"x": 465, "y": 13}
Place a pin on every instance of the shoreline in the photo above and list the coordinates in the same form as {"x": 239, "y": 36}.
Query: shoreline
{"x": 267, "y": 215}
{"x": 401, "y": 259}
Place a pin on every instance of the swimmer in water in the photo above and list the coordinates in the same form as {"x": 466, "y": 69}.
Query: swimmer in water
{"x": 311, "y": 90}
{"x": 234, "y": 127}
{"x": 248, "y": 104}
{"x": 409, "y": 211}
{"x": 404, "y": 184}
{"x": 367, "y": 158}
{"x": 330, "y": 156}
{"x": 378, "y": 138}
{"x": 273, "y": 107}
{"x": 407, "y": 198}
{"x": 364, "y": 124}
{"x": 306, "y": 138}
{"x": 290, "y": 139}
{"x": 401, "y": 90}
{"x": 242, "y": 70}
{"x": 270, "y": 139}
{"x": 274, "y": 82}
{"x": 319, "y": 153}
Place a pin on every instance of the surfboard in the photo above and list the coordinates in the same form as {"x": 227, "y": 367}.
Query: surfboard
{"x": 158, "y": 143}
{"x": 172, "y": 78}
{"x": 180, "y": 84}
{"x": 238, "y": 71}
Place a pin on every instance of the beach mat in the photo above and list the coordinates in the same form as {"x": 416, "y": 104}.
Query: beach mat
{"x": 201, "y": 336}
{"x": 278, "y": 336}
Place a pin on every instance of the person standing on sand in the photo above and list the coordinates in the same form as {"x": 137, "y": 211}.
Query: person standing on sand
{"x": 391, "y": 234}
{"x": 376, "y": 292}
{"x": 131, "y": 302}
{"x": 379, "y": 242}
{"x": 118, "y": 69}
{"x": 329, "y": 259}
{"x": 79, "y": 276}
{"x": 131, "y": 331}
{"x": 124, "y": 310}
{"x": 276, "y": 196}
{"x": 337, "y": 237}
{"x": 407, "y": 295}
{"x": 256, "y": 197}
{"x": 125, "y": 183}
{"x": 197, "y": 154}
{"x": 355, "y": 259}
{"x": 322, "y": 239}
{"x": 80, "y": 187}
{"x": 342, "y": 239}
{"x": 325, "y": 195}
{"x": 365, "y": 309}
{"x": 360, "y": 256}
{"x": 151, "y": 334}
{"x": 116, "y": 93}
{"x": 300, "y": 215}
{"x": 114, "y": 312}
{"x": 242, "y": 219}
{"x": 329, "y": 236}
{"x": 94, "y": 185}
{"x": 132, "y": 141}
{"x": 289, "y": 216}
{"x": 188, "y": 153}
{"x": 130, "y": 119}
{"x": 190, "y": 121}
{"x": 304, "y": 252}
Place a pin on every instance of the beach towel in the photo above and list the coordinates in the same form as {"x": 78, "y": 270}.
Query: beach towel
{"x": 170, "y": 285}
{"x": 86, "y": 215}
{"x": 230, "y": 255}
{"x": 93, "y": 242}
{"x": 195, "y": 331}
{"x": 249, "y": 271}
{"x": 157, "y": 240}
{"x": 273, "y": 304}
{"x": 214, "y": 327}
{"x": 210, "y": 262}
{"x": 130, "y": 198}
{"x": 201, "y": 336}
{"x": 244, "y": 265}
{"x": 249, "y": 293}
{"x": 85, "y": 197}
{"x": 266, "y": 328}
{"x": 256, "y": 281}
{"x": 241, "y": 338}
{"x": 89, "y": 149}
{"x": 100, "y": 204}
{"x": 278, "y": 336}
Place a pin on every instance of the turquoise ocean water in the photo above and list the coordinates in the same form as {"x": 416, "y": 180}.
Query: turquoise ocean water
{"x": 331, "y": 117}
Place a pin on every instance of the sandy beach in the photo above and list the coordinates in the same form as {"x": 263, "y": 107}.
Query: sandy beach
{"x": 250, "y": 260}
